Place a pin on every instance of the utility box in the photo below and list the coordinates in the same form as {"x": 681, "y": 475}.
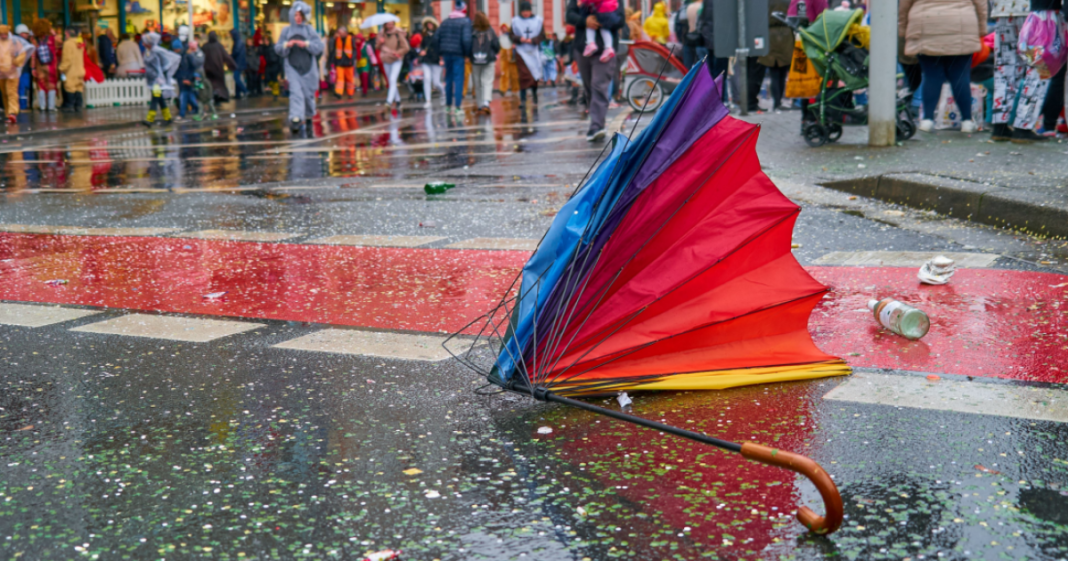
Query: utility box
{"x": 725, "y": 27}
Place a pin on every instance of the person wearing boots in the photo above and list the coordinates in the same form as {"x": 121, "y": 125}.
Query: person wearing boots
{"x": 299, "y": 45}
{"x": 159, "y": 68}
{"x": 72, "y": 68}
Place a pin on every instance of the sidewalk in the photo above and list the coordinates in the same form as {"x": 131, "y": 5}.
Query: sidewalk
{"x": 37, "y": 124}
{"x": 1018, "y": 186}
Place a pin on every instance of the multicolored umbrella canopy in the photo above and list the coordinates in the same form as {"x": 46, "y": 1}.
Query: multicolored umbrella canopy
{"x": 670, "y": 268}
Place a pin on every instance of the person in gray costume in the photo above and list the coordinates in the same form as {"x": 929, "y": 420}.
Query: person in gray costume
{"x": 299, "y": 46}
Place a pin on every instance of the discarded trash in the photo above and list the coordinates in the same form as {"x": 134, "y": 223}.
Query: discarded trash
{"x": 384, "y": 555}
{"x": 900, "y": 318}
{"x": 933, "y": 377}
{"x": 624, "y": 400}
{"x": 433, "y": 494}
{"x": 27, "y": 427}
{"x": 56, "y": 282}
{"x": 428, "y": 224}
{"x": 937, "y": 271}
{"x": 985, "y": 469}
{"x": 545, "y": 430}
{"x": 214, "y": 295}
{"x": 581, "y": 511}
{"x": 437, "y": 187}
{"x": 412, "y": 471}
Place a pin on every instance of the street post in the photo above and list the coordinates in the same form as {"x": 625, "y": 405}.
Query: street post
{"x": 882, "y": 74}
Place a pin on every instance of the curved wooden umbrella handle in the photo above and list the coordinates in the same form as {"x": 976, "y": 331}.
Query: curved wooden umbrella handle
{"x": 832, "y": 501}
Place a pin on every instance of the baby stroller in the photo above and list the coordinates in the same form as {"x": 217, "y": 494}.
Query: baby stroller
{"x": 843, "y": 65}
{"x": 645, "y": 62}
{"x": 413, "y": 79}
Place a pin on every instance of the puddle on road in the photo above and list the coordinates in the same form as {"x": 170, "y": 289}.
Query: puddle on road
{"x": 225, "y": 154}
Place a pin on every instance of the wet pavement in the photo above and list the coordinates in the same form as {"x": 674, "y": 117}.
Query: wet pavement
{"x": 140, "y": 442}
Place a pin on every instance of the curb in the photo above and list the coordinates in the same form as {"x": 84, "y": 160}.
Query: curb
{"x": 105, "y": 127}
{"x": 966, "y": 200}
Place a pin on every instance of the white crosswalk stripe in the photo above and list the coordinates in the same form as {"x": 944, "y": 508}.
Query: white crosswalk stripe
{"x": 237, "y": 235}
{"x": 980, "y": 398}
{"x": 496, "y": 243}
{"x": 195, "y": 330}
{"x": 369, "y": 343}
{"x": 26, "y": 315}
{"x": 79, "y": 231}
{"x": 378, "y": 241}
{"x": 904, "y": 258}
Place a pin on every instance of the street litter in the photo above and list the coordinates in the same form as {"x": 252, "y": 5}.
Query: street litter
{"x": 56, "y": 282}
{"x": 545, "y": 430}
{"x": 215, "y": 295}
{"x": 428, "y": 224}
{"x": 937, "y": 271}
{"x": 385, "y": 555}
{"x": 985, "y": 469}
{"x": 437, "y": 187}
{"x": 900, "y": 318}
{"x": 604, "y": 305}
{"x": 624, "y": 400}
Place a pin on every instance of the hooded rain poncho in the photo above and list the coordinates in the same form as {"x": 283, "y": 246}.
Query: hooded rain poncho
{"x": 299, "y": 63}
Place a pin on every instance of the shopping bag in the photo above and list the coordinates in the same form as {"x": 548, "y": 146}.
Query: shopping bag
{"x": 1042, "y": 42}
{"x": 947, "y": 114}
{"x": 802, "y": 81}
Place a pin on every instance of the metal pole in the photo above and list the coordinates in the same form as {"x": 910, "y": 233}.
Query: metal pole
{"x": 741, "y": 62}
{"x": 882, "y": 74}
{"x": 191, "y": 26}
{"x": 16, "y": 12}
{"x": 122, "y": 17}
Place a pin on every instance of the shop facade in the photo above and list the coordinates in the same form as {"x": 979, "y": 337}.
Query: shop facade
{"x": 136, "y": 16}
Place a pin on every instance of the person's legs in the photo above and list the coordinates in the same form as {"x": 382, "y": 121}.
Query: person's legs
{"x": 296, "y": 104}
{"x": 309, "y": 103}
{"x": 11, "y": 97}
{"x": 454, "y": 81}
{"x": 393, "y": 71}
{"x": 1029, "y": 102}
{"x": 778, "y": 84}
{"x": 585, "y": 68}
{"x": 958, "y": 73}
{"x": 488, "y": 71}
{"x": 1054, "y": 102}
{"x": 591, "y": 42}
{"x": 717, "y": 67}
{"x": 754, "y": 79}
{"x": 600, "y": 79}
{"x": 1008, "y": 68}
{"x": 339, "y": 84}
{"x": 428, "y": 82}
{"x": 24, "y": 91}
{"x": 689, "y": 56}
{"x": 239, "y": 86}
{"x": 933, "y": 78}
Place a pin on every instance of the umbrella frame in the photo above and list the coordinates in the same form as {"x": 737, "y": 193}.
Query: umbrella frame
{"x": 832, "y": 500}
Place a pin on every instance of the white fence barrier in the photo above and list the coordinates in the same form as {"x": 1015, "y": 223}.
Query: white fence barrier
{"x": 120, "y": 91}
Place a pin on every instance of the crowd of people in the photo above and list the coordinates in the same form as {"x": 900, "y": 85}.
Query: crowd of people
{"x": 959, "y": 42}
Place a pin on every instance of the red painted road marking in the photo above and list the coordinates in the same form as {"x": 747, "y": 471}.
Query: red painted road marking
{"x": 431, "y": 290}
{"x": 990, "y": 323}
{"x": 1006, "y": 324}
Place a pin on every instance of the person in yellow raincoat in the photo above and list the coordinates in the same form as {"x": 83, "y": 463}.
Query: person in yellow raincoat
{"x": 656, "y": 25}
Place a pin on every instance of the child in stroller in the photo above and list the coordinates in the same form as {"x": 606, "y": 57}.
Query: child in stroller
{"x": 415, "y": 77}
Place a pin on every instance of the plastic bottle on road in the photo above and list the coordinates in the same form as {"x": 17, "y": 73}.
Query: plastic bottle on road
{"x": 900, "y": 318}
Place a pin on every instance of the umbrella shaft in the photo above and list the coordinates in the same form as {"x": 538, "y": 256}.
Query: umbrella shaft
{"x": 703, "y": 438}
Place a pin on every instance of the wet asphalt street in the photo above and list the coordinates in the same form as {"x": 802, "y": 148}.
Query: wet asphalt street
{"x": 136, "y": 441}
